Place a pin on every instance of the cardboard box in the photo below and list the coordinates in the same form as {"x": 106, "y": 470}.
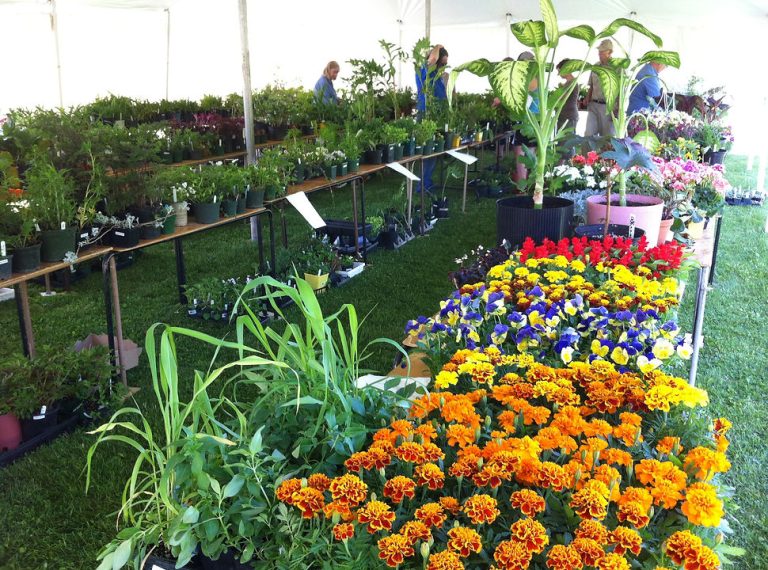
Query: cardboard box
{"x": 131, "y": 351}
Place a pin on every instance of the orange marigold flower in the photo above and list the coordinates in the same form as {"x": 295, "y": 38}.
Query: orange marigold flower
{"x": 615, "y": 456}
{"x": 594, "y": 530}
{"x": 667, "y": 444}
{"x": 531, "y": 533}
{"x": 460, "y": 410}
{"x": 450, "y": 504}
{"x": 536, "y": 415}
{"x": 589, "y": 550}
{"x": 430, "y": 475}
{"x": 589, "y": 503}
{"x": 399, "y": 487}
{"x": 666, "y": 494}
{"x": 553, "y": 476}
{"x": 633, "y": 513}
{"x": 528, "y": 501}
{"x": 512, "y": 555}
{"x": 681, "y": 546}
{"x": 460, "y": 435}
{"x": 385, "y": 434}
{"x": 319, "y": 481}
{"x": 506, "y": 420}
{"x": 562, "y": 557}
{"x": 465, "y": 466}
{"x": 286, "y": 490}
{"x": 415, "y": 531}
{"x": 705, "y": 463}
{"x": 431, "y": 514}
{"x": 702, "y": 558}
{"x": 611, "y": 477}
{"x": 613, "y": 561}
{"x": 636, "y": 495}
{"x": 464, "y": 541}
{"x": 309, "y": 501}
{"x": 402, "y": 428}
{"x": 481, "y": 509}
{"x": 376, "y": 515}
{"x": 427, "y": 433}
{"x": 410, "y": 451}
{"x": 380, "y": 456}
{"x": 348, "y": 490}
{"x": 394, "y": 549}
{"x": 338, "y": 511}
{"x": 569, "y": 421}
{"x": 626, "y": 540}
{"x": 445, "y": 560}
{"x": 356, "y": 461}
{"x": 629, "y": 434}
{"x": 492, "y": 475}
{"x": 701, "y": 506}
{"x": 598, "y": 428}
{"x": 343, "y": 531}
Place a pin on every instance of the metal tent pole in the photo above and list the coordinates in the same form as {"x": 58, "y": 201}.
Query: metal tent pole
{"x": 427, "y": 18}
{"x": 55, "y": 30}
{"x": 247, "y": 92}
{"x": 167, "y": 51}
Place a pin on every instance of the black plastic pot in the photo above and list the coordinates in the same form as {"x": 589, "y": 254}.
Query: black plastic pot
{"x": 517, "y": 219}
{"x": 6, "y": 262}
{"x": 240, "y": 205}
{"x": 120, "y": 237}
{"x": 715, "y": 157}
{"x": 56, "y": 243}
{"x": 277, "y": 133}
{"x": 596, "y": 231}
{"x": 207, "y": 213}
{"x": 26, "y": 259}
{"x": 254, "y": 199}
{"x": 39, "y": 423}
{"x": 440, "y": 208}
{"x": 372, "y": 156}
{"x": 229, "y": 208}
{"x": 227, "y": 561}
{"x": 151, "y": 231}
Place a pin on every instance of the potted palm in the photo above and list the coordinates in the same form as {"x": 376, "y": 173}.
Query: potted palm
{"x": 51, "y": 194}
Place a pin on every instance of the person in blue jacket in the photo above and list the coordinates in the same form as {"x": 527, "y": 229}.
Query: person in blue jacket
{"x": 324, "y": 90}
{"x": 437, "y": 81}
{"x": 647, "y": 89}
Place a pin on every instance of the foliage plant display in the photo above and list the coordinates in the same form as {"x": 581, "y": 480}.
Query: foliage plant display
{"x": 51, "y": 195}
{"x": 515, "y": 461}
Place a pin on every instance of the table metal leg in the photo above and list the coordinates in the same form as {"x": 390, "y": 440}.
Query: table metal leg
{"x": 715, "y": 246}
{"x": 260, "y": 242}
{"x": 25, "y": 319}
{"x": 271, "y": 239}
{"x": 181, "y": 271}
{"x": 105, "y": 275}
{"x": 421, "y": 194}
{"x": 698, "y": 324}
{"x": 355, "y": 218}
{"x": 362, "y": 212}
{"x": 464, "y": 195}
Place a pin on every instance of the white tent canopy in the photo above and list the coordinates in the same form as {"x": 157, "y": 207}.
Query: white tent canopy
{"x": 120, "y": 46}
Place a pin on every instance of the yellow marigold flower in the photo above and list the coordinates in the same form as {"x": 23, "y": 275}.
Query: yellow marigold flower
{"x": 430, "y": 475}
{"x": 701, "y": 506}
{"x": 667, "y": 445}
{"x": 531, "y": 533}
{"x": 528, "y": 501}
{"x": 377, "y": 515}
{"x": 431, "y": 514}
{"x": 402, "y": 428}
{"x": 626, "y": 540}
{"x": 460, "y": 435}
{"x": 348, "y": 490}
{"x": 578, "y": 265}
{"x": 343, "y": 531}
{"x": 450, "y": 504}
{"x": 705, "y": 463}
{"x": 444, "y": 379}
{"x": 415, "y": 531}
{"x": 309, "y": 501}
{"x": 633, "y": 513}
{"x": 481, "y": 509}
{"x": 553, "y": 476}
{"x": 464, "y": 541}
{"x": 522, "y": 271}
{"x": 394, "y": 549}
{"x": 681, "y": 546}
{"x": 636, "y": 495}
{"x": 512, "y": 555}
{"x": 593, "y": 530}
{"x": 445, "y": 560}
{"x": 286, "y": 490}
{"x": 562, "y": 557}
{"x": 589, "y": 550}
{"x": 588, "y": 503}
{"x": 399, "y": 487}
{"x": 613, "y": 561}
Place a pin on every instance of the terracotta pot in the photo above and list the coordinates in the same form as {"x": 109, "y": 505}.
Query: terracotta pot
{"x": 664, "y": 233}
{"x": 10, "y": 432}
{"x": 647, "y": 213}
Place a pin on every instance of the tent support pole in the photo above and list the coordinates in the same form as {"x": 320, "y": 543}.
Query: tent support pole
{"x": 427, "y": 18}
{"x": 247, "y": 92}
{"x": 167, "y": 51}
{"x": 55, "y": 30}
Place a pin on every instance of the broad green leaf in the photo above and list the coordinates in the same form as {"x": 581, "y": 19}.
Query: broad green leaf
{"x": 550, "y": 22}
{"x": 619, "y": 23}
{"x": 670, "y": 58}
{"x": 620, "y": 62}
{"x": 530, "y": 33}
{"x": 648, "y": 139}
{"x": 574, "y": 66}
{"x": 215, "y": 486}
{"x": 479, "y": 67}
{"x": 191, "y": 515}
{"x": 303, "y": 401}
{"x": 509, "y": 80}
{"x": 233, "y": 487}
{"x": 106, "y": 563}
{"x": 582, "y": 32}
{"x": 121, "y": 555}
{"x": 256, "y": 442}
{"x": 609, "y": 81}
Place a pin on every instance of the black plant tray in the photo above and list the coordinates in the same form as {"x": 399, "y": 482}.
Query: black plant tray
{"x": 336, "y": 228}
{"x": 744, "y": 202}
{"x": 350, "y": 249}
{"x": 64, "y": 426}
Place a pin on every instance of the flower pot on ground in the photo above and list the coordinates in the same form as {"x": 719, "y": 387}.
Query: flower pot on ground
{"x": 254, "y": 198}
{"x": 647, "y": 211}
{"x": 6, "y": 266}
{"x": 440, "y": 208}
{"x": 207, "y": 213}
{"x": 517, "y": 219}
{"x": 26, "y": 259}
{"x": 229, "y": 208}
{"x": 56, "y": 243}
{"x": 10, "y": 432}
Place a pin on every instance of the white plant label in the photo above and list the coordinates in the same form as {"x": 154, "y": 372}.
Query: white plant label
{"x": 463, "y": 157}
{"x": 400, "y": 169}
{"x": 121, "y": 234}
{"x": 63, "y": 225}
{"x": 2, "y": 248}
{"x": 306, "y": 209}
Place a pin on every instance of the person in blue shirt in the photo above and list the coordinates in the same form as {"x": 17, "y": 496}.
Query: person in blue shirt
{"x": 647, "y": 89}
{"x": 436, "y": 61}
{"x": 324, "y": 90}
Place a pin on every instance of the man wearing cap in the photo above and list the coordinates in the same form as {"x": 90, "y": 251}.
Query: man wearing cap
{"x": 647, "y": 89}
{"x": 599, "y": 118}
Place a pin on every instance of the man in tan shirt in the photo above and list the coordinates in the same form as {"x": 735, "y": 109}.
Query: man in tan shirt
{"x": 599, "y": 118}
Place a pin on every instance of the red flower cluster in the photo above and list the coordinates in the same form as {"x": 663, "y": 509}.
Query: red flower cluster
{"x": 580, "y": 160}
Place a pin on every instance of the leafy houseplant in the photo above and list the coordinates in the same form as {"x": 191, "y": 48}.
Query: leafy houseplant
{"x": 316, "y": 259}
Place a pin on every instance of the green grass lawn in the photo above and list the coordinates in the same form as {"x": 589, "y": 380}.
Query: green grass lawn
{"x": 47, "y": 521}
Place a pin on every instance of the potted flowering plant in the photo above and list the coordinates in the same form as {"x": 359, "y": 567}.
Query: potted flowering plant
{"x": 175, "y": 186}
{"x": 208, "y": 192}
{"x": 316, "y": 259}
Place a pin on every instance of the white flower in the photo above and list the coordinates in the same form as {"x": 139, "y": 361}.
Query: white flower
{"x": 588, "y": 170}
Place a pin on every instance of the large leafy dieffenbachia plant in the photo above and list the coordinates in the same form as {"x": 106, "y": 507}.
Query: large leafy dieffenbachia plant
{"x": 511, "y": 80}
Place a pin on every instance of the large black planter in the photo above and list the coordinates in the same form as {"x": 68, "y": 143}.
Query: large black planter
{"x": 39, "y": 422}
{"x": 254, "y": 198}
{"x": 596, "y": 231}
{"x": 5, "y": 266}
{"x": 516, "y": 219}
{"x": 227, "y": 561}
{"x": 122, "y": 237}
{"x": 372, "y": 156}
{"x": 207, "y": 213}
{"x": 56, "y": 243}
{"x": 26, "y": 259}
{"x": 715, "y": 157}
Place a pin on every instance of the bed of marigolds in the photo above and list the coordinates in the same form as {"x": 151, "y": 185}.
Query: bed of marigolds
{"x": 552, "y": 437}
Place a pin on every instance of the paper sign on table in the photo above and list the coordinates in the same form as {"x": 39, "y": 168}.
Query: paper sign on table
{"x": 306, "y": 209}
{"x": 400, "y": 169}
{"x": 463, "y": 157}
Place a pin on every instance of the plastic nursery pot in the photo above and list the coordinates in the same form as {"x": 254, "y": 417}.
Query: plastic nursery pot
{"x": 120, "y": 237}
{"x": 647, "y": 211}
{"x": 427, "y": 147}
{"x": 43, "y": 420}
{"x": 254, "y": 198}
{"x": 10, "y": 432}
{"x": 169, "y": 224}
{"x": 330, "y": 172}
{"x": 241, "y": 205}
{"x": 317, "y": 282}
{"x": 342, "y": 169}
{"x": 664, "y": 230}
{"x": 270, "y": 192}
{"x": 398, "y": 151}
{"x": 56, "y": 243}
{"x": 207, "y": 213}
{"x": 6, "y": 262}
{"x": 517, "y": 219}
{"x": 695, "y": 230}
{"x": 151, "y": 231}
{"x": 180, "y": 211}
{"x": 372, "y": 156}
{"x": 596, "y": 231}
{"x": 229, "y": 208}
{"x": 26, "y": 259}
{"x": 354, "y": 165}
